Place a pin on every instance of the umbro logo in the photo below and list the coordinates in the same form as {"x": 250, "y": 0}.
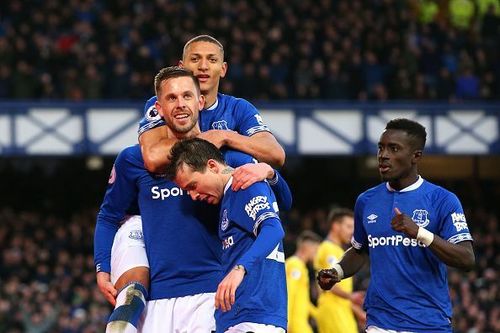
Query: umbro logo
{"x": 372, "y": 218}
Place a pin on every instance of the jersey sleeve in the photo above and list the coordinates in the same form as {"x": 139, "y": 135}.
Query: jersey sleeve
{"x": 453, "y": 224}
{"x": 249, "y": 119}
{"x": 120, "y": 195}
{"x": 254, "y": 205}
{"x": 281, "y": 190}
{"x": 255, "y": 210}
{"x": 236, "y": 158}
{"x": 151, "y": 118}
{"x": 359, "y": 238}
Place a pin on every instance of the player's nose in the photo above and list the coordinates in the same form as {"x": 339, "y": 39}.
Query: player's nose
{"x": 382, "y": 153}
{"x": 203, "y": 64}
{"x": 194, "y": 195}
{"x": 180, "y": 102}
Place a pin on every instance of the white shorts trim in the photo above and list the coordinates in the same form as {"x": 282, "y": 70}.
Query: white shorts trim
{"x": 254, "y": 327}
{"x": 128, "y": 249}
{"x": 188, "y": 314}
{"x": 375, "y": 329}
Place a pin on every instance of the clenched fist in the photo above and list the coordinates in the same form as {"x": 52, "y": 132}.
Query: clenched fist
{"x": 327, "y": 278}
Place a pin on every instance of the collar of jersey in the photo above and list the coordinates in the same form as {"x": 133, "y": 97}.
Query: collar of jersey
{"x": 213, "y": 106}
{"x": 229, "y": 182}
{"x": 412, "y": 187}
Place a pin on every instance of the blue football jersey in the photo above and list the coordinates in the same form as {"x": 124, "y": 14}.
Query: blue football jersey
{"x": 408, "y": 290}
{"x": 261, "y": 297}
{"x": 228, "y": 113}
{"x": 180, "y": 234}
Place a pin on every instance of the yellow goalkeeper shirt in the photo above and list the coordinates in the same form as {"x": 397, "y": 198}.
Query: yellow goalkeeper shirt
{"x": 299, "y": 302}
{"x": 334, "y": 312}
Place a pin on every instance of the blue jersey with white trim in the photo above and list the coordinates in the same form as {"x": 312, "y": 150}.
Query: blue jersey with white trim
{"x": 180, "y": 234}
{"x": 228, "y": 113}
{"x": 262, "y": 296}
{"x": 408, "y": 290}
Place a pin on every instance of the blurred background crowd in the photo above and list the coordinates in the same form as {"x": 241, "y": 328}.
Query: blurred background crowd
{"x": 307, "y": 49}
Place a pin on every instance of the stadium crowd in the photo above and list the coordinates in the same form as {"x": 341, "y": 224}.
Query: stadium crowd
{"x": 47, "y": 278}
{"x": 357, "y": 50}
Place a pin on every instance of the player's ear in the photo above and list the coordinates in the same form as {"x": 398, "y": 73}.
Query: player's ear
{"x": 180, "y": 64}
{"x": 158, "y": 108}
{"x": 224, "y": 69}
{"x": 417, "y": 155}
{"x": 212, "y": 166}
{"x": 201, "y": 102}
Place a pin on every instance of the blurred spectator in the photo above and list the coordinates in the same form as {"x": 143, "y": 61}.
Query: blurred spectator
{"x": 276, "y": 50}
{"x": 428, "y": 11}
{"x": 467, "y": 85}
{"x": 461, "y": 13}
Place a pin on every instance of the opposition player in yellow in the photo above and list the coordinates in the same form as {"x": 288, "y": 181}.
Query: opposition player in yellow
{"x": 300, "y": 307}
{"x": 336, "y": 307}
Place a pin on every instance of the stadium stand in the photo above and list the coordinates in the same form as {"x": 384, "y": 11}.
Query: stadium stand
{"x": 361, "y": 50}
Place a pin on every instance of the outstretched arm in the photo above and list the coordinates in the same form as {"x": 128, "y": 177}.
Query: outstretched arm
{"x": 263, "y": 146}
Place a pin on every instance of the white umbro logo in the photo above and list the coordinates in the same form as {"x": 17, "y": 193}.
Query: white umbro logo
{"x": 372, "y": 218}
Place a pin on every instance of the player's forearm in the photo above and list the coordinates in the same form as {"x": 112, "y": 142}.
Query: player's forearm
{"x": 352, "y": 261}
{"x": 155, "y": 148}
{"x": 459, "y": 255}
{"x": 262, "y": 146}
{"x": 104, "y": 235}
{"x": 270, "y": 234}
{"x": 359, "y": 313}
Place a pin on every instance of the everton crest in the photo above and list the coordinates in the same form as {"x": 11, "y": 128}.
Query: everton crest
{"x": 224, "y": 223}
{"x": 220, "y": 125}
{"x": 421, "y": 217}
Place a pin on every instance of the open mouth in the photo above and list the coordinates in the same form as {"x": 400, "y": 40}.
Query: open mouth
{"x": 181, "y": 116}
{"x": 203, "y": 77}
{"x": 383, "y": 168}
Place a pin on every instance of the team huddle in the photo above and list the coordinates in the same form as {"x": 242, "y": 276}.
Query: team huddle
{"x": 189, "y": 239}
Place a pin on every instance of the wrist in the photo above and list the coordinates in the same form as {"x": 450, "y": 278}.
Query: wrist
{"x": 240, "y": 268}
{"x": 425, "y": 236}
{"x": 340, "y": 271}
{"x": 272, "y": 176}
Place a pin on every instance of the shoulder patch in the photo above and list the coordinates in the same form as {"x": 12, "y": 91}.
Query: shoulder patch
{"x": 295, "y": 274}
{"x": 459, "y": 221}
{"x": 331, "y": 260}
{"x": 152, "y": 114}
{"x": 255, "y": 205}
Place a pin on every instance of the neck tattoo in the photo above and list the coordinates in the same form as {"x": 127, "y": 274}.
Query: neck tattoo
{"x": 227, "y": 170}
